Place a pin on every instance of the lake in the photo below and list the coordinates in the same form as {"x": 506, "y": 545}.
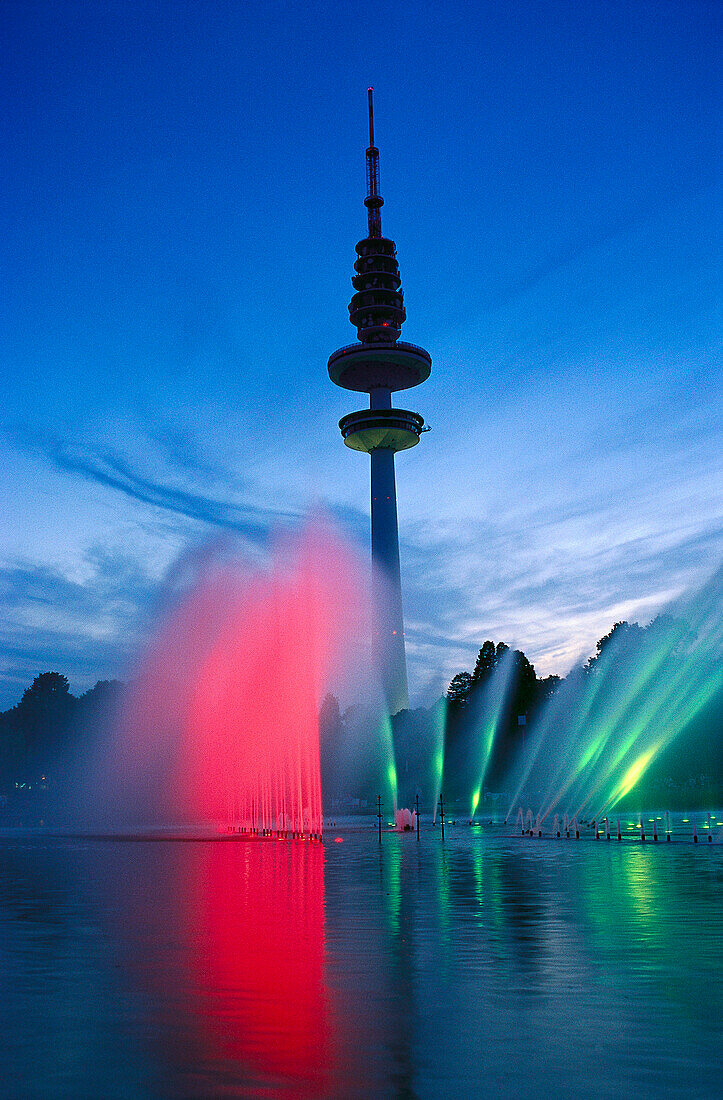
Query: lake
{"x": 490, "y": 965}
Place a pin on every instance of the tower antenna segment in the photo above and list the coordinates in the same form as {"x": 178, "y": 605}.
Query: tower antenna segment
{"x": 374, "y": 200}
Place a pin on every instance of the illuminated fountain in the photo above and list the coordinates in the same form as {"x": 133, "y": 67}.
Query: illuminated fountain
{"x": 484, "y": 725}
{"x": 220, "y": 727}
{"x": 425, "y": 757}
{"x": 405, "y": 821}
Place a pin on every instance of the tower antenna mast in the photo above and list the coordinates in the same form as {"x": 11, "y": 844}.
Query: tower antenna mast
{"x": 373, "y": 201}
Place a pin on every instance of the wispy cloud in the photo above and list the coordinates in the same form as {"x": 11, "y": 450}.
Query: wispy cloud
{"x": 115, "y": 472}
{"x": 86, "y": 628}
{"x": 552, "y": 596}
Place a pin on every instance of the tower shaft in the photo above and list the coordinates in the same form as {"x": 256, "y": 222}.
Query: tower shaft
{"x": 389, "y": 630}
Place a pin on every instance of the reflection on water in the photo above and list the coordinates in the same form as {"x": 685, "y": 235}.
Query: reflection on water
{"x": 486, "y": 966}
{"x": 255, "y": 930}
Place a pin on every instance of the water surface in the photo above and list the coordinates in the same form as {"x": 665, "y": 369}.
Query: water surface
{"x": 487, "y": 966}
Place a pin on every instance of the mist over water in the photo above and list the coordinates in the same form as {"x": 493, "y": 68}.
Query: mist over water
{"x": 485, "y": 723}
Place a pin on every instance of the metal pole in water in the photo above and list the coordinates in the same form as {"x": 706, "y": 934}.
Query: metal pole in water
{"x": 417, "y": 814}
{"x": 695, "y": 833}
{"x": 607, "y": 828}
{"x": 667, "y": 826}
{"x": 642, "y": 829}
{"x": 379, "y": 816}
{"x": 710, "y": 833}
{"x": 655, "y": 830}
{"x": 619, "y": 833}
{"x": 441, "y": 814}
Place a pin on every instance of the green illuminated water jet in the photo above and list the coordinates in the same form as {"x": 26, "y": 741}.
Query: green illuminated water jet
{"x": 486, "y": 722}
{"x": 439, "y": 733}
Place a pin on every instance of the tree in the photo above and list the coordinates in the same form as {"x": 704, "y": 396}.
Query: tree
{"x": 102, "y": 692}
{"x": 329, "y": 718}
{"x": 459, "y": 689}
{"x": 96, "y": 711}
{"x": 486, "y": 662}
{"x": 45, "y": 706}
{"x": 548, "y": 685}
{"x": 465, "y": 685}
{"x": 524, "y": 683}
{"x": 622, "y": 631}
{"x": 42, "y": 718}
{"x": 45, "y": 690}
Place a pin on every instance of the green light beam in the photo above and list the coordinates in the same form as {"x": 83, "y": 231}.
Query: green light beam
{"x": 439, "y": 728}
{"x": 492, "y": 707}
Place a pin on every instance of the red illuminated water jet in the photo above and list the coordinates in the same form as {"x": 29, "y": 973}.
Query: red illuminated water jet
{"x": 253, "y": 719}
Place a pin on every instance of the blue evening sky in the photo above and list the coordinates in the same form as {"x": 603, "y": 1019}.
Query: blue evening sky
{"x": 183, "y": 187}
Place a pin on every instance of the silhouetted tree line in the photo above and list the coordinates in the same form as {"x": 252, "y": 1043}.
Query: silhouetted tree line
{"x": 39, "y": 732}
{"x": 415, "y": 733}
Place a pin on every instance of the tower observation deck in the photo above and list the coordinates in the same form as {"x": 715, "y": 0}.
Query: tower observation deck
{"x": 380, "y": 364}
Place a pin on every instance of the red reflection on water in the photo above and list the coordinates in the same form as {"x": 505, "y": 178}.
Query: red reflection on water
{"x": 222, "y": 726}
{"x": 226, "y": 939}
{"x": 254, "y": 924}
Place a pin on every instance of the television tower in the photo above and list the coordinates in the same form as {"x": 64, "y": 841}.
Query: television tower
{"x": 379, "y": 364}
